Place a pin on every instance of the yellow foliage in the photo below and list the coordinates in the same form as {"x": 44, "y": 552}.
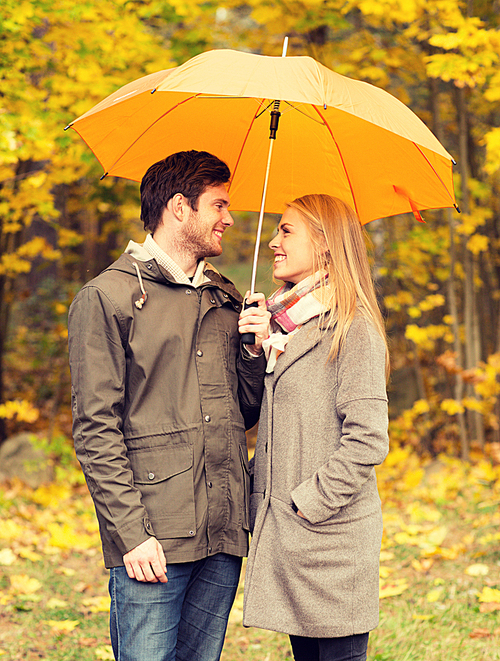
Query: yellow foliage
{"x": 24, "y": 411}
{"x": 62, "y": 626}
{"x": 434, "y": 595}
{"x": 393, "y": 589}
{"x": 489, "y": 595}
{"x": 24, "y": 584}
{"x": 97, "y": 604}
{"x": 478, "y": 243}
{"x": 477, "y": 569}
{"x": 452, "y": 407}
{"x": 48, "y": 495}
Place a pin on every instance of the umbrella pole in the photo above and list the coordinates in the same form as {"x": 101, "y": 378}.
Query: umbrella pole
{"x": 261, "y": 219}
{"x": 249, "y": 338}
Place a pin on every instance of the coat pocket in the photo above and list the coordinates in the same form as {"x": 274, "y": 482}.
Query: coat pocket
{"x": 164, "y": 476}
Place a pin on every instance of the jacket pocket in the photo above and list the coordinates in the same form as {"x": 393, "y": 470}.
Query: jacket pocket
{"x": 164, "y": 476}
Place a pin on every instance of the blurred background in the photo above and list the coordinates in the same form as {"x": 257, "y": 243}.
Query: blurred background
{"x": 438, "y": 283}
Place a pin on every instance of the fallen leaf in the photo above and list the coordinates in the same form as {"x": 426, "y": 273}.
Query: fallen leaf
{"x": 477, "y": 570}
{"x": 385, "y": 572}
{"x": 393, "y": 589}
{"x": 29, "y": 554}
{"x": 62, "y": 626}
{"x": 97, "y": 604}
{"x": 56, "y": 603}
{"x": 434, "y": 595}
{"x": 24, "y": 584}
{"x": 489, "y": 608}
{"x": 489, "y": 595}
{"x": 7, "y": 557}
{"x": 104, "y": 653}
{"x": 480, "y": 633}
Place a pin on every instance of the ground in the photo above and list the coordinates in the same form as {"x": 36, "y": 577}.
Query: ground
{"x": 439, "y": 576}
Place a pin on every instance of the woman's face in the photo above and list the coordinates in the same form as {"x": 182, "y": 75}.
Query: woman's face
{"x": 293, "y": 249}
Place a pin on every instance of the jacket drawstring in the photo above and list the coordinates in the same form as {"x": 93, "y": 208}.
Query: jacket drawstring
{"x": 141, "y": 301}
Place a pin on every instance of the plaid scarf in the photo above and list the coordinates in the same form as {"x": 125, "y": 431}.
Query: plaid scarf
{"x": 290, "y": 307}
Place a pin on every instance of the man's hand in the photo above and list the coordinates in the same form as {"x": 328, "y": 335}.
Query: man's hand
{"x": 147, "y": 562}
{"x": 255, "y": 320}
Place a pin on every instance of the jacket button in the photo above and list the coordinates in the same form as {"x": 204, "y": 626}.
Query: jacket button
{"x": 226, "y": 296}
{"x": 149, "y": 266}
{"x": 191, "y": 533}
{"x": 199, "y": 352}
{"x": 151, "y": 476}
{"x": 212, "y": 300}
{"x": 209, "y": 485}
{"x": 188, "y": 292}
{"x": 207, "y": 418}
{"x": 210, "y": 549}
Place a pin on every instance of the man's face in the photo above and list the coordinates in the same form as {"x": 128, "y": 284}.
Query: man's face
{"x": 202, "y": 233}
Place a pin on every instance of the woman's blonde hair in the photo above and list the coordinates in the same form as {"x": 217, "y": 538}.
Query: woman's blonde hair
{"x": 339, "y": 248}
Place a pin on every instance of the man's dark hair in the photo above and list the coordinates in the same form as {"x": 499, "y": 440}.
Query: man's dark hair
{"x": 186, "y": 172}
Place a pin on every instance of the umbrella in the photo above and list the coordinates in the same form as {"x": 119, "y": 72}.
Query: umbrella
{"x": 336, "y": 135}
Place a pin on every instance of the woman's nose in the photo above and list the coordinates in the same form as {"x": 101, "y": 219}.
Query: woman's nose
{"x": 273, "y": 243}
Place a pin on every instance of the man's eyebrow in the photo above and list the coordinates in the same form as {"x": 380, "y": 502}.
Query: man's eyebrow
{"x": 221, "y": 200}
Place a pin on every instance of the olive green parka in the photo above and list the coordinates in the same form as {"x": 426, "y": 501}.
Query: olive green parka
{"x": 159, "y": 412}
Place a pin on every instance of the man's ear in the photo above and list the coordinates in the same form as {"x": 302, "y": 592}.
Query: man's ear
{"x": 178, "y": 206}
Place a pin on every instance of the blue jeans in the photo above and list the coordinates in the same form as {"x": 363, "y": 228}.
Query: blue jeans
{"x": 348, "y": 648}
{"x": 182, "y": 620}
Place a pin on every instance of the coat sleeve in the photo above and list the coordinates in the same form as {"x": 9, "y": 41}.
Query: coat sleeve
{"x": 98, "y": 367}
{"x": 251, "y": 372}
{"x": 361, "y": 405}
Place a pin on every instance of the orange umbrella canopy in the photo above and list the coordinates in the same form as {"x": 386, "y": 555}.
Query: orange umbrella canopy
{"x": 336, "y": 135}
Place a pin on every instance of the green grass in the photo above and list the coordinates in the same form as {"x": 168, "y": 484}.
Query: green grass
{"x": 427, "y": 549}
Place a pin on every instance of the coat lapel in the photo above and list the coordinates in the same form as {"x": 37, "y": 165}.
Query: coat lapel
{"x": 307, "y": 338}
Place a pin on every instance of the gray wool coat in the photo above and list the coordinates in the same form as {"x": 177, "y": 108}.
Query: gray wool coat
{"x": 322, "y": 429}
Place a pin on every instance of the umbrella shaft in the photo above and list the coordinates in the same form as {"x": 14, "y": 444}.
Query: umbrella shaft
{"x": 261, "y": 218}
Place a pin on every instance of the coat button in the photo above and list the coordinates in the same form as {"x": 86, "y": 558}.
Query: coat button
{"x": 209, "y": 485}
{"x": 212, "y": 300}
{"x": 199, "y": 352}
{"x": 191, "y": 533}
{"x": 151, "y": 476}
{"x": 149, "y": 266}
{"x": 188, "y": 292}
{"x": 207, "y": 418}
{"x": 210, "y": 549}
{"x": 226, "y": 296}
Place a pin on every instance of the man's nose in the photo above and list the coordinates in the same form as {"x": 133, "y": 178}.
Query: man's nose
{"x": 228, "y": 219}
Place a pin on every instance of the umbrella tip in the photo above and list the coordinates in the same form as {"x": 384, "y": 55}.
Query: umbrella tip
{"x": 453, "y": 161}
{"x": 104, "y": 175}
{"x": 457, "y": 208}
{"x": 68, "y": 127}
{"x": 153, "y": 91}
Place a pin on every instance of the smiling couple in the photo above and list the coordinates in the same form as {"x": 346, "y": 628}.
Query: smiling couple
{"x": 162, "y": 392}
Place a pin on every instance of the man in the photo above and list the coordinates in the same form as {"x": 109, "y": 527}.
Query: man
{"x": 159, "y": 415}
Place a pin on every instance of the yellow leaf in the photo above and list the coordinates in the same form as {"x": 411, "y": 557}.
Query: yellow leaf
{"x": 24, "y": 584}
{"x": 477, "y": 570}
{"x": 62, "y": 626}
{"x": 56, "y": 603}
{"x": 422, "y": 618}
{"x": 28, "y": 554}
{"x": 393, "y": 589}
{"x": 97, "y": 604}
{"x": 434, "y": 595}
{"x": 385, "y": 572}
{"x": 7, "y": 557}
{"x": 489, "y": 595}
{"x": 385, "y": 556}
{"x": 104, "y": 653}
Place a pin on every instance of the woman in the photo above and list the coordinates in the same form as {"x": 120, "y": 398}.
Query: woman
{"x": 313, "y": 567}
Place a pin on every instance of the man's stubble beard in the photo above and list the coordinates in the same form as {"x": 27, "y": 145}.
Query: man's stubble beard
{"x": 193, "y": 240}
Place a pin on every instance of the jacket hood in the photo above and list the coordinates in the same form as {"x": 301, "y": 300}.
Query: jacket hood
{"x": 137, "y": 262}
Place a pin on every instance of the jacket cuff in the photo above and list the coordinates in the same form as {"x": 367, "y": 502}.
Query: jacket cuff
{"x": 133, "y": 534}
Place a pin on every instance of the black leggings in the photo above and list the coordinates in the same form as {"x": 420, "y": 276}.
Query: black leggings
{"x": 349, "y": 648}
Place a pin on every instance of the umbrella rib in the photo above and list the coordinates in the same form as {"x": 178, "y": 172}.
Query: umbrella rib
{"x": 150, "y": 127}
{"x": 244, "y": 143}
{"x": 292, "y": 107}
{"x": 341, "y": 158}
{"x": 437, "y": 175}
